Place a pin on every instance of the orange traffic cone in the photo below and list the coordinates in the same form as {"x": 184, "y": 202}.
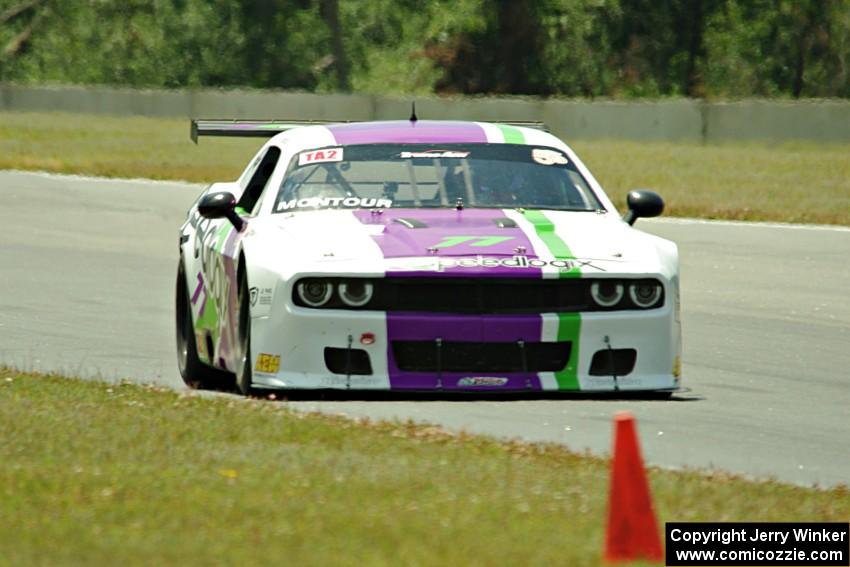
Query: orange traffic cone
{"x": 632, "y": 529}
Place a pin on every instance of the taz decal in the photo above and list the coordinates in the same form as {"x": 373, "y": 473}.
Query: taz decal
{"x": 320, "y": 156}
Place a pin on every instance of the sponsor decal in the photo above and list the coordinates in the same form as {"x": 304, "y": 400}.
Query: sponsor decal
{"x": 201, "y": 344}
{"x": 606, "y": 382}
{"x": 548, "y": 157}
{"x": 351, "y": 381}
{"x": 268, "y": 363}
{"x": 477, "y": 241}
{"x": 678, "y": 308}
{"x": 266, "y": 294}
{"x": 434, "y": 154}
{"x": 262, "y": 296}
{"x": 320, "y": 156}
{"x": 482, "y": 381}
{"x": 335, "y": 202}
{"x": 216, "y": 281}
{"x": 519, "y": 262}
{"x": 440, "y": 264}
{"x": 197, "y": 294}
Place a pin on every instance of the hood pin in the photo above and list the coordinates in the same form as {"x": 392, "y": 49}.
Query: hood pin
{"x": 520, "y": 249}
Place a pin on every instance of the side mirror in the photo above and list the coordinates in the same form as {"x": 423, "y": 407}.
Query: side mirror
{"x": 643, "y": 204}
{"x": 221, "y": 205}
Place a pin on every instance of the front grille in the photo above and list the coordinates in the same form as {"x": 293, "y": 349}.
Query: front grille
{"x": 481, "y": 296}
{"x": 433, "y": 356}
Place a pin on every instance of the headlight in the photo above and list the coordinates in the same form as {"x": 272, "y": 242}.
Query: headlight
{"x": 355, "y": 293}
{"x": 315, "y": 293}
{"x": 645, "y": 293}
{"x": 607, "y": 293}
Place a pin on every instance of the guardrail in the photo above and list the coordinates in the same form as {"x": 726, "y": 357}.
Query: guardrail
{"x": 670, "y": 119}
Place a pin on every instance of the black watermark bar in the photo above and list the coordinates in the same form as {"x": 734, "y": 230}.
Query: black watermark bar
{"x": 751, "y": 543}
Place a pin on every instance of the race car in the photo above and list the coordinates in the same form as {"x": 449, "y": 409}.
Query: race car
{"x": 421, "y": 255}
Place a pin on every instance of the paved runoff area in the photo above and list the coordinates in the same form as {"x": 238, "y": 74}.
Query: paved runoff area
{"x": 87, "y": 284}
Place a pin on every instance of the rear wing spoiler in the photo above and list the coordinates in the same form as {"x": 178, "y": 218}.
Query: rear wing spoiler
{"x": 248, "y": 128}
{"x": 268, "y": 128}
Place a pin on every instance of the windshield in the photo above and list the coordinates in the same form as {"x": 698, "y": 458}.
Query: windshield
{"x": 447, "y": 175}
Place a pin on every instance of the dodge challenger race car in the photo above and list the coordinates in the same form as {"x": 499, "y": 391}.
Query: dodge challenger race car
{"x": 422, "y": 255}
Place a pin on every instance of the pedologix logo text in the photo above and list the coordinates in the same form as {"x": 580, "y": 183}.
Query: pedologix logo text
{"x": 757, "y": 543}
{"x": 512, "y": 262}
{"x": 443, "y": 263}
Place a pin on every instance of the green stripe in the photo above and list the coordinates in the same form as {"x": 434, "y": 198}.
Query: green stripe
{"x": 569, "y": 324}
{"x": 208, "y": 321}
{"x": 223, "y": 232}
{"x": 557, "y": 247}
{"x": 569, "y": 329}
{"x": 512, "y": 134}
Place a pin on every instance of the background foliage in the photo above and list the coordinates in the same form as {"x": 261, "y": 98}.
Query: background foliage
{"x": 612, "y": 48}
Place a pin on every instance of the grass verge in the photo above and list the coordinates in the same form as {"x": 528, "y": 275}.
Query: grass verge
{"x": 94, "y": 473}
{"x": 802, "y": 182}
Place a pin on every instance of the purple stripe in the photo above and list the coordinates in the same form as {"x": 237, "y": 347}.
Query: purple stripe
{"x": 401, "y": 132}
{"x": 198, "y": 289}
{"x": 460, "y": 328}
{"x": 203, "y": 306}
{"x": 227, "y": 339}
{"x": 397, "y": 241}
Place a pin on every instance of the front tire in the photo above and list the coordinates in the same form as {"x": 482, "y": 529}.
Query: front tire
{"x": 244, "y": 373}
{"x": 195, "y": 373}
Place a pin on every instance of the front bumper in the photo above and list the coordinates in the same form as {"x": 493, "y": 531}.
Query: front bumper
{"x": 295, "y": 339}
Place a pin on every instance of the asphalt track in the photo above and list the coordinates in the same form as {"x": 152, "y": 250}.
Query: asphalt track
{"x": 86, "y": 285}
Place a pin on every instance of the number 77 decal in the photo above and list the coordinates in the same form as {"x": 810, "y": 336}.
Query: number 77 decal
{"x": 477, "y": 241}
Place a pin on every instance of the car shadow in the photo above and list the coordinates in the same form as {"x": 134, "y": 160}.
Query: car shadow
{"x": 682, "y": 395}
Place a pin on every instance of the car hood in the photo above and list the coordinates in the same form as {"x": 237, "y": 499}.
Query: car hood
{"x": 486, "y": 241}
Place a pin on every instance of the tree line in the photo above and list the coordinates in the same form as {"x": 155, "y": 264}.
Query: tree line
{"x": 575, "y": 48}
